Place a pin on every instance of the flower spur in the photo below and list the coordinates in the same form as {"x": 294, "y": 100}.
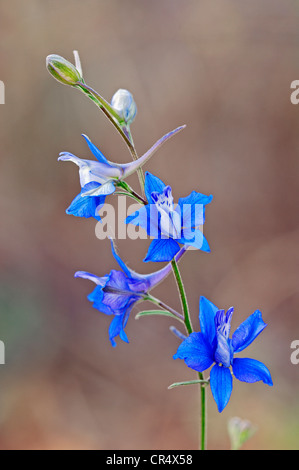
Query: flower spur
{"x": 99, "y": 178}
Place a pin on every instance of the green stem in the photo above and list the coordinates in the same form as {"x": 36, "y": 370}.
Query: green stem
{"x": 139, "y": 171}
{"x": 109, "y": 113}
{"x": 189, "y": 329}
{"x": 183, "y": 296}
{"x": 130, "y": 190}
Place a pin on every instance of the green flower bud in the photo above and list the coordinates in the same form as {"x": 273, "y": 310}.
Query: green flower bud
{"x": 63, "y": 70}
{"x": 240, "y": 431}
{"x": 123, "y": 103}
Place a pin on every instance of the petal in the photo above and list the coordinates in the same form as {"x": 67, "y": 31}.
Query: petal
{"x": 83, "y": 206}
{"x": 89, "y": 170}
{"x": 194, "y": 237}
{"x": 207, "y": 313}
{"x": 147, "y": 218}
{"x": 100, "y": 281}
{"x": 117, "y": 328}
{"x": 121, "y": 263}
{"x": 101, "y": 190}
{"x": 250, "y": 370}
{"x": 192, "y": 209}
{"x": 96, "y": 297}
{"x": 248, "y": 331}
{"x": 152, "y": 183}
{"x": 162, "y": 250}
{"x": 196, "y": 352}
{"x": 95, "y": 151}
{"x": 221, "y": 385}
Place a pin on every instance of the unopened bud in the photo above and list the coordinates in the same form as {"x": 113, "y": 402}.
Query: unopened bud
{"x": 123, "y": 103}
{"x": 240, "y": 430}
{"x": 63, "y": 70}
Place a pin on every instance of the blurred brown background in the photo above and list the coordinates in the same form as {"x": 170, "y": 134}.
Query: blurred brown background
{"x": 223, "y": 68}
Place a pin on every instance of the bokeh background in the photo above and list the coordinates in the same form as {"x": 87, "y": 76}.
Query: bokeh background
{"x": 223, "y": 68}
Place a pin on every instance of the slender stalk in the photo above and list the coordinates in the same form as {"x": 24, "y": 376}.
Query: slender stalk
{"x": 113, "y": 117}
{"x": 189, "y": 329}
{"x": 132, "y": 192}
{"x": 109, "y": 113}
{"x": 183, "y": 296}
{"x": 139, "y": 171}
{"x": 203, "y": 412}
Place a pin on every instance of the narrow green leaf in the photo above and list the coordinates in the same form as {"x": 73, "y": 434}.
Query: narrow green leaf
{"x": 155, "y": 312}
{"x": 189, "y": 382}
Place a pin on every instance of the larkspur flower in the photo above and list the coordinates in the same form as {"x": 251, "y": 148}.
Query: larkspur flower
{"x": 117, "y": 292}
{"x": 170, "y": 226}
{"x": 98, "y": 179}
{"x": 213, "y": 346}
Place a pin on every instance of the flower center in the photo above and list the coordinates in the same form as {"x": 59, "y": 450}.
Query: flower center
{"x": 170, "y": 220}
{"x": 223, "y": 353}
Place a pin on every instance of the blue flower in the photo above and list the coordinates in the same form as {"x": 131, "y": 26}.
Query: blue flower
{"x": 117, "y": 292}
{"x": 213, "y": 345}
{"x": 98, "y": 179}
{"x": 170, "y": 226}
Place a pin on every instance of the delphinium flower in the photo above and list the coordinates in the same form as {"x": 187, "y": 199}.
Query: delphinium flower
{"x": 170, "y": 226}
{"x": 213, "y": 346}
{"x": 117, "y": 292}
{"x": 99, "y": 178}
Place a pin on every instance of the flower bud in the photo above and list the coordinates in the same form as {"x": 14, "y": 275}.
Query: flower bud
{"x": 240, "y": 431}
{"x": 63, "y": 70}
{"x": 123, "y": 103}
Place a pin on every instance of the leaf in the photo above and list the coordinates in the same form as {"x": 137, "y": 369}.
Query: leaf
{"x": 189, "y": 382}
{"x": 146, "y": 313}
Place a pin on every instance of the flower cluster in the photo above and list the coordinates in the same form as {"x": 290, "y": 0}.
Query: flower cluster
{"x": 173, "y": 229}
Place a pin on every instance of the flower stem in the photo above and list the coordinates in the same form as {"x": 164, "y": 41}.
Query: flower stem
{"x": 139, "y": 170}
{"x": 111, "y": 114}
{"x": 189, "y": 329}
{"x": 183, "y": 297}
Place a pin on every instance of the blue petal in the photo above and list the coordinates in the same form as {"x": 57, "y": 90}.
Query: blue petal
{"x": 123, "y": 266}
{"x": 195, "y": 238}
{"x": 152, "y": 184}
{"x": 86, "y": 206}
{"x": 95, "y": 151}
{"x": 196, "y": 352}
{"x": 248, "y": 331}
{"x": 162, "y": 250}
{"x": 221, "y": 385}
{"x": 147, "y": 217}
{"x": 192, "y": 209}
{"x": 96, "y": 297}
{"x": 117, "y": 328}
{"x": 100, "y": 281}
{"x": 207, "y": 313}
{"x": 250, "y": 371}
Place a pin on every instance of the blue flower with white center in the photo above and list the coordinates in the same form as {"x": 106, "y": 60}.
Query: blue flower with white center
{"x": 170, "y": 226}
{"x": 98, "y": 179}
{"x": 117, "y": 292}
{"x": 213, "y": 346}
